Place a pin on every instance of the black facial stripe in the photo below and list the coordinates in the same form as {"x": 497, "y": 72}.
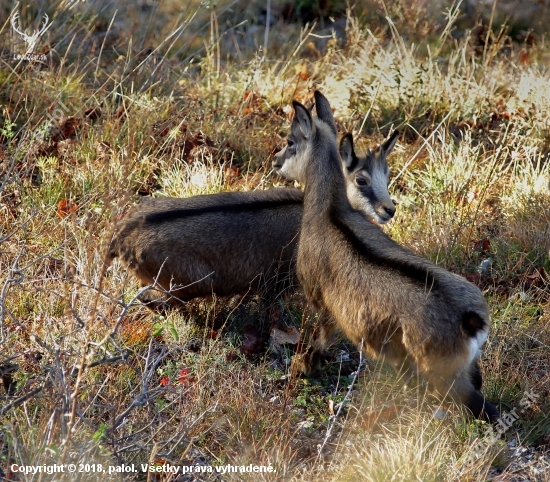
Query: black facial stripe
{"x": 368, "y": 193}
{"x": 223, "y": 208}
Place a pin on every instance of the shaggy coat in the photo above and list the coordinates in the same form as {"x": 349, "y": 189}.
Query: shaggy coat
{"x": 388, "y": 301}
{"x": 223, "y": 244}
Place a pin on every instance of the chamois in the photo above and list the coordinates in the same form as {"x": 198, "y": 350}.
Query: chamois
{"x": 389, "y": 302}
{"x": 233, "y": 243}
{"x": 224, "y": 244}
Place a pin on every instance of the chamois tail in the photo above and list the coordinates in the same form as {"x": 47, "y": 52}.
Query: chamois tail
{"x": 472, "y": 323}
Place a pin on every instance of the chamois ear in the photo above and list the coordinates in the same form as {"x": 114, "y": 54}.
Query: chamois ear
{"x": 388, "y": 145}
{"x": 302, "y": 120}
{"x": 347, "y": 152}
{"x": 324, "y": 111}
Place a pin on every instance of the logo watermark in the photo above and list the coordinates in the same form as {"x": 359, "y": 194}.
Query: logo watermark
{"x": 31, "y": 40}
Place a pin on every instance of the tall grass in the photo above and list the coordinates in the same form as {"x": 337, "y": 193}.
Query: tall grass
{"x": 187, "y": 104}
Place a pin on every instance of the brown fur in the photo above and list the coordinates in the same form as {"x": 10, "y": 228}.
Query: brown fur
{"x": 385, "y": 299}
{"x": 223, "y": 244}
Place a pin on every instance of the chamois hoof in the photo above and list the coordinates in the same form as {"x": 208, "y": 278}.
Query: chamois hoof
{"x": 307, "y": 364}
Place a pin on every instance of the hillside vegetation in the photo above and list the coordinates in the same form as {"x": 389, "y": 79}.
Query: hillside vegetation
{"x": 164, "y": 98}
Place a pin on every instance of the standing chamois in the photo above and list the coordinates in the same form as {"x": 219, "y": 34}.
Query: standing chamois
{"x": 389, "y": 302}
{"x": 236, "y": 242}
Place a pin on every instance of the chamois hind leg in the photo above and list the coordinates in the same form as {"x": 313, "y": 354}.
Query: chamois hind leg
{"x": 395, "y": 352}
{"x": 475, "y": 375}
{"x": 462, "y": 390}
{"x": 408, "y": 373}
{"x": 320, "y": 336}
{"x": 155, "y": 300}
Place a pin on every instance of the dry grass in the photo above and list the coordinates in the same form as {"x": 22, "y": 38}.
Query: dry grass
{"x": 89, "y": 375}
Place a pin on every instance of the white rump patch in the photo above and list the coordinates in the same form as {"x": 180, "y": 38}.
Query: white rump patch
{"x": 476, "y": 343}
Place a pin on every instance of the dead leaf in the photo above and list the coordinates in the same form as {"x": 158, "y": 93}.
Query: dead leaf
{"x": 66, "y": 207}
{"x": 482, "y": 245}
{"x": 185, "y": 377}
{"x": 93, "y": 113}
{"x": 64, "y": 129}
{"x": 252, "y": 342}
{"x": 537, "y": 279}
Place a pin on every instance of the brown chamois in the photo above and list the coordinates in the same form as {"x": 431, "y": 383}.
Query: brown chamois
{"x": 234, "y": 243}
{"x": 224, "y": 244}
{"x": 391, "y": 303}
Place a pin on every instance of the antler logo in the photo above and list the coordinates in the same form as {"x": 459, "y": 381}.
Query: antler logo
{"x": 30, "y": 40}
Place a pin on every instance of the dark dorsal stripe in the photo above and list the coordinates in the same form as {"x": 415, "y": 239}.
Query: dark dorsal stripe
{"x": 384, "y": 258}
{"x": 172, "y": 214}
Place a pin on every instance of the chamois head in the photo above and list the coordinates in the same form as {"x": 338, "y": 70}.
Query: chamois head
{"x": 291, "y": 161}
{"x": 367, "y": 178}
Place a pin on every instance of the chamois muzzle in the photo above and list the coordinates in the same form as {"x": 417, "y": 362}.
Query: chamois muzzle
{"x": 383, "y": 211}
{"x": 386, "y": 211}
{"x": 278, "y": 160}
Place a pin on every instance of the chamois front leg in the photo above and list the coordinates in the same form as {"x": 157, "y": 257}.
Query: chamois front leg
{"x": 316, "y": 337}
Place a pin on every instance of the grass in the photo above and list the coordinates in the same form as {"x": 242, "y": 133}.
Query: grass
{"x": 170, "y": 100}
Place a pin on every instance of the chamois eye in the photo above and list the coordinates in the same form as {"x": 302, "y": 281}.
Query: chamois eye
{"x": 361, "y": 181}
{"x": 291, "y": 147}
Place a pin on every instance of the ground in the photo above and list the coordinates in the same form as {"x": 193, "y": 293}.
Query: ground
{"x": 126, "y": 100}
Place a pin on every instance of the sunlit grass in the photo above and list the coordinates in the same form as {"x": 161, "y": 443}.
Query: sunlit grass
{"x": 190, "y": 105}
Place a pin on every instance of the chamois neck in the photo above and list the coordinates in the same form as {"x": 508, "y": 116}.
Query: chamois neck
{"x": 325, "y": 186}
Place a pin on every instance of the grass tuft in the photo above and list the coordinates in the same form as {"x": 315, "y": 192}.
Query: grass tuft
{"x": 169, "y": 99}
